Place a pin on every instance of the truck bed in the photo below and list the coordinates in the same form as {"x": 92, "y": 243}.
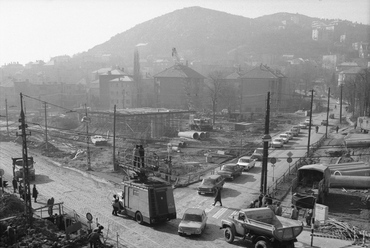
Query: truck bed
{"x": 264, "y": 221}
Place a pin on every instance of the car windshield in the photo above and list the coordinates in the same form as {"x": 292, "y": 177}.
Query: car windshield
{"x": 193, "y": 217}
{"x": 228, "y": 167}
{"x": 208, "y": 181}
{"x": 244, "y": 160}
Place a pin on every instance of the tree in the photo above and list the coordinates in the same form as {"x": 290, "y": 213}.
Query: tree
{"x": 215, "y": 88}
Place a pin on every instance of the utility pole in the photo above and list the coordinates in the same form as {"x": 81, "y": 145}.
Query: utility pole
{"x": 46, "y": 129}
{"x": 327, "y": 115}
{"x": 114, "y": 139}
{"x": 309, "y": 127}
{"x": 340, "y": 104}
{"x": 86, "y": 119}
{"x": 6, "y": 114}
{"x": 27, "y": 192}
{"x": 266, "y": 139}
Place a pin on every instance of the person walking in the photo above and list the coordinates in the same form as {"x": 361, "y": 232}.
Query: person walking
{"x": 337, "y": 128}
{"x": 115, "y": 205}
{"x": 260, "y": 198}
{"x": 35, "y": 192}
{"x": 218, "y": 197}
{"x": 141, "y": 156}
{"x": 309, "y": 217}
{"x": 15, "y": 184}
{"x": 317, "y": 128}
{"x": 294, "y": 213}
{"x": 278, "y": 210}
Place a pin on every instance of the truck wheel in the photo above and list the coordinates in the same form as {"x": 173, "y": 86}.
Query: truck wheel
{"x": 139, "y": 218}
{"x": 229, "y": 235}
{"x": 262, "y": 244}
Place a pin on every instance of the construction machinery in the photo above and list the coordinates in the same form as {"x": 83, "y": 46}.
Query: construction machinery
{"x": 201, "y": 124}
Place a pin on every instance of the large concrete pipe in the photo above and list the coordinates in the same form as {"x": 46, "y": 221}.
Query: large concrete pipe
{"x": 362, "y": 173}
{"x": 348, "y": 164}
{"x": 349, "y": 168}
{"x": 202, "y": 135}
{"x": 349, "y": 182}
{"x": 189, "y": 134}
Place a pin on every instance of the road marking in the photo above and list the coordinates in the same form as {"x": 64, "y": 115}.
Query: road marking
{"x": 207, "y": 210}
{"x": 219, "y": 213}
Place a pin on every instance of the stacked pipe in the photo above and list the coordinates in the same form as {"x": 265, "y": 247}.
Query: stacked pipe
{"x": 194, "y": 135}
{"x": 350, "y": 175}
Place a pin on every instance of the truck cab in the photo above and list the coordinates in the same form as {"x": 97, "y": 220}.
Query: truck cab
{"x": 18, "y": 168}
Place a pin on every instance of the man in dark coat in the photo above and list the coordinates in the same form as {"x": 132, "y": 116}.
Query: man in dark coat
{"x": 260, "y": 198}
{"x": 218, "y": 197}
{"x": 35, "y": 193}
{"x": 15, "y": 184}
{"x": 141, "y": 156}
{"x": 115, "y": 205}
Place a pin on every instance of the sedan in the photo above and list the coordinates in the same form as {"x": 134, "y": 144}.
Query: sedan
{"x": 284, "y": 137}
{"x": 277, "y": 143}
{"x": 193, "y": 221}
{"x": 246, "y": 163}
{"x": 230, "y": 171}
{"x": 290, "y": 134}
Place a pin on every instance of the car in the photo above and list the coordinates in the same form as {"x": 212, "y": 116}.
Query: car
{"x": 194, "y": 221}
{"x": 246, "y": 163}
{"x": 277, "y": 143}
{"x": 230, "y": 171}
{"x": 257, "y": 154}
{"x": 210, "y": 184}
{"x": 294, "y": 131}
{"x": 324, "y": 123}
{"x": 307, "y": 122}
{"x": 298, "y": 128}
{"x": 290, "y": 134}
{"x": 303, "y": 125}
{"x": 284, "y": 137}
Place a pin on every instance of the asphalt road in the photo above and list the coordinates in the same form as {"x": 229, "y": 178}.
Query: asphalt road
{"x": 84, "y": 192}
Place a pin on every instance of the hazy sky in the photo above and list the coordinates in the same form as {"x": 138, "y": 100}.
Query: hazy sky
{"x": 39, "y": 29}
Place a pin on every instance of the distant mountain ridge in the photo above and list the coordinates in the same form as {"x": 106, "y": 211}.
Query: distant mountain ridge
{"x": 209, "y": 35}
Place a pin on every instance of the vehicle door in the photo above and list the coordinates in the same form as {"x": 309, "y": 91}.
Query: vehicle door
{"x": 239, "y": 224}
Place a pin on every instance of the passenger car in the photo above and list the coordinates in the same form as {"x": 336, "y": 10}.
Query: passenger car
{"x": 303, "y": 125}
{"x": 324, "y": 123}
{"x": 257, "y": 154}
{"x": 194, "y": 221}
{"x": 290, "y": 134}
{"x": 277, "y": 143}
{"x": 210, "y": 184}
{"x": 230, "y": 171}
{"x": 246, "y": 163}
{"x": 284, "y": 137}
{"x": 294, "y": 131}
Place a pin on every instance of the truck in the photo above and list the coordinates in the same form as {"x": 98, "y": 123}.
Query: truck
{"x": 147, "y": 201}
{"x": 311, "y": 185}
{"x": 201, "y": 124}
{"x": 18, "y": 168}
{"x": 363, "y": 123}
{"x": 261, "y": 227}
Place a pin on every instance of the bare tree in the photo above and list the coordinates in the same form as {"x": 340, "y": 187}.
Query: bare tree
{"x": 215, "y": 88}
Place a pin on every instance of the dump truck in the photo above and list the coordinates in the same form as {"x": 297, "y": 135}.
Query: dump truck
{"x": 262, "y": 227}
{"x": 18, "y": 168}
{"x": 311, "y": 185}
{"x": 149, "y": 201}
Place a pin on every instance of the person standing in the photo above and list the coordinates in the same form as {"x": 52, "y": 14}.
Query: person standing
{"x": 35, "y": 192}
{"x": 218, "y": 197}
{"x": 278, "y": 210}
{"x": 317, "y": 129}
{"x": 294, "y": 213}
{"x": 337, "y": 128}
{"x": 94, "y": 239}
{"x": 141, "y": 156}
{"x": 115, "y": 205}
{"x": 15, "y": 184}
{"x": 309, "y": 217}
{"x": 260, "y": 198}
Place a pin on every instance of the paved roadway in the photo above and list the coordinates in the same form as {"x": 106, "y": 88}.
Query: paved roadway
{"x": 84, "y": 193}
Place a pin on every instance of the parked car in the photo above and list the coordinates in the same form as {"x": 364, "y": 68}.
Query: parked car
{"x": 257, "y": 154}
{"x": 290, "y": 134}
{"x": 277, "y": 143}
{"x": 246, "y": 163}
{"x": 294, "y": 131}
{"x": 284, "y": 137}
{"x": 230, "y": 171}
{"x": 298, "y": 127}
{"x": 210, "y": 184}
{"x": 303, "y": 125}
{"x": 324, "y": 123}
{"x": 194, "y": 221}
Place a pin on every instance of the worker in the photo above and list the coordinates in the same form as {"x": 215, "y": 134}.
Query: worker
{"x": 278, "y": 209}
{"x": 294, "y": 213}
{"x": 309, "y": 217}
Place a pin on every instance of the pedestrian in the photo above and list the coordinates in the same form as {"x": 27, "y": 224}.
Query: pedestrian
{"x": 35, "y": 192}
{"x": 94, "y": 239}
{"x": 115, "y": 205}
{"x": 135, "y": 155}
{"x": 294, "y": 213}
{"x": 98, "y": 229}
{"x": 141, "y": 156}
{"x": 15, "y": 184}
{"x": 309, "y": 217}
{"x": 337, "y": 128}
{"x": 50, "y": 203}
{"x": 278, "y": 209}
{"x": 317, "y": 128}
{"x": 269, "y": 200}
{"x": 260, "y": 197}
{"x": 218, "y": 197}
